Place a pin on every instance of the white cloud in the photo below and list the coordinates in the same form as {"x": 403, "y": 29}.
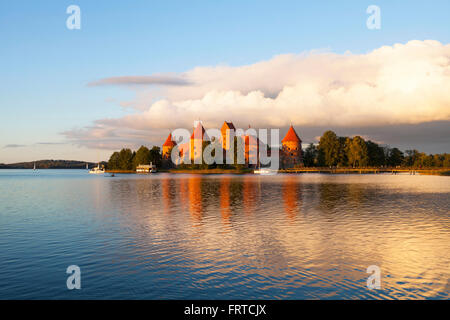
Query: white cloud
{"x": 400, "y": 84}
{"x": 141, "y": 80}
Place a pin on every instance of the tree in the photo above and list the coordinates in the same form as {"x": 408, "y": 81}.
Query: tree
{"x": 395, "y": 157}
{"x": 328, "y": 149}
{"x": 411, "y": 157}
{"x": 428, "y": 161}
{"x": 357, "y": 152}
{"x": 438, "y": 160}
{"x": 125, "y": 159}
{"x": 142, "y": 156}
{"x": 155, "y": 156}
{"x": 113, "y": 162}
{"x": 310, "y": 156}
{"x": 342, "y": 152}
{"x": 446, "y": 161}
{"x": 375, "y": 154}
{"x": 420, "y": 160}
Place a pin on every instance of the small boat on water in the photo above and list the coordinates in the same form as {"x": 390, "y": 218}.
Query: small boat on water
{"x": 97, "y": 170}
{"x": 145, "y": 168}
{"x": 34, "y": 167}
{"x": 262, "y": 171}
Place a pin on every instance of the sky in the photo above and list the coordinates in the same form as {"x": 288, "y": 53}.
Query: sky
{"x": 137, "y": 69}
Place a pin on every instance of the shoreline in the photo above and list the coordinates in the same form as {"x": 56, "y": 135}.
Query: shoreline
{"x": 353, "y": 171}
{"x": 443, "y": 172}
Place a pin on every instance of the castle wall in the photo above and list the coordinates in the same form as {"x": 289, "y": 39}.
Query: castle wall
{"x": 291, "y": 155}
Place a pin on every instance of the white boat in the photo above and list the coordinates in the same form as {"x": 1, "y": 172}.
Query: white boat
{"x": 262, "y": 171}
{"x": 97, "y": 170}
{"x": 145, "y": 168}
{"x": 34, "y": 168}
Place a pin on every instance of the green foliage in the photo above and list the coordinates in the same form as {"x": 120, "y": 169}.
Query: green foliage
{"x": 50, "y": 164}
{"x": 411, "y": 158}
{"x": 155, "y": 156}
{"x": 113, "y": 162}
{"x": 342, "y": 152}
{"x": 394, "y": 157}
{"x": 310, "y": 156}
{"x": 126, "y": 159}
{"x": 142, "y": 157}
{"x": 328, "y": 149}
{"x": 418, "y": 159}
{"x": 446, "y": 161}
{"x": 376, "y": 155}
{"x": 357, "y": 152}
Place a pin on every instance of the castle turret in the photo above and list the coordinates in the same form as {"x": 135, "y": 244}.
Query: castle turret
{"x": 291, "y": 152}
{"x": 196, "y": 146}
{"x": 228, "y": 132}
{"x": 167, "y": 147}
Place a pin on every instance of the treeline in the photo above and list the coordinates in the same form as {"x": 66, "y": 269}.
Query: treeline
{"x": 48, "y": 164}
{"x": 334, "y": 151}
{"x": 126, "y": 159}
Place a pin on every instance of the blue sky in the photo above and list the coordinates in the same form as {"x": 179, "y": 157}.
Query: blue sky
{"x": 45, "y": 68}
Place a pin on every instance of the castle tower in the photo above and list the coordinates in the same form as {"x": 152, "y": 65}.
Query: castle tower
{"x": 167, "y": 147}
{"x": 291, "y": 150}
{"x": 227, "y": 140}
{"x": 251, "y": 150}
{"x": 197, "y": 138}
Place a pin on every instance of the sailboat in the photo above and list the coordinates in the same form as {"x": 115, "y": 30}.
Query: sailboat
{"x": 87, "y": 166}
{"x": 34, "y": 167}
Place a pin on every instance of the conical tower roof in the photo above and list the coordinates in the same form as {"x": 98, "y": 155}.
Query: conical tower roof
{"x": 291, "y": 136}
{"x": 199, "y": 132}
{"x": 228, "y": 125}
{"x": 169, "y": 142}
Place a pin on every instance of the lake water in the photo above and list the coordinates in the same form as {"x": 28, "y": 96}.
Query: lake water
{"x": 166, "y": 236}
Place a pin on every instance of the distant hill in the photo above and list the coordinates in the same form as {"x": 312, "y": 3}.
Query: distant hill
{"x": 50, "y": 164}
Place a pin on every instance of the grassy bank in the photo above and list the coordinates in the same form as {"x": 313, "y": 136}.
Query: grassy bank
{"x": 212, "y": 171}
{"x": 191, "y": 171}
{"x": 120, "y": 171}
{"x": 445, "y": 172}
{"x": 440, "y": 172}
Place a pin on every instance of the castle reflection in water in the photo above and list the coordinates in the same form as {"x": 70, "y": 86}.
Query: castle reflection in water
{"x": 185, "y": 236}
{"x": 292, "y": 235}
{"x": 197, "y": 194}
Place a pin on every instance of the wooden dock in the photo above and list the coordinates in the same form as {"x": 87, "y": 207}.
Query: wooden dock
{"x": 411, "y": 171}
